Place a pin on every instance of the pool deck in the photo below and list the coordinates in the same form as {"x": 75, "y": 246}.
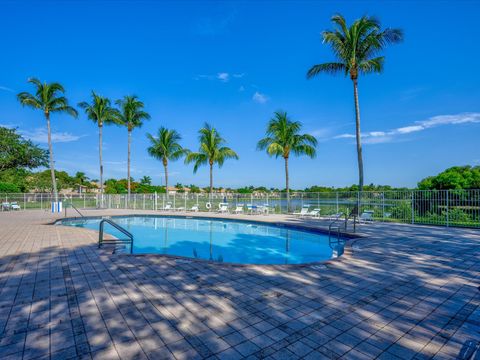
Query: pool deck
{"x": 400, "y": 292}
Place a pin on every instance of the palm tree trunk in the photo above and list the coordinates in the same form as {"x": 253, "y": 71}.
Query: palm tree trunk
{"x": 128, "y": 163}
{"x": 286, "y": 184}
{"x": 100, "y": 129}
{"x": 358, "y": 136}
{"x": 359, "y": 145}
{"x": 166, "y": 180}
{"x": 50, "y": 150}
{"x": 211, "y": 178}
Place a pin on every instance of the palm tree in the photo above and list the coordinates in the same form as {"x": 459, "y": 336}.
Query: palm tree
{"x": 211, "y": 151}
{"x": 131, "y": 115}
{"x": 166, "y": 147}
{"x": 283, "y": 138}
{"x": 49, "y": 98}
{"x": 356, "y": 48}
{"x": 146, "y": 180}
{"x": 80, "y": 178}
{"x": 100, "y": 112}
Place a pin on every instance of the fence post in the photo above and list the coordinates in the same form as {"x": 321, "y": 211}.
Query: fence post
{"x": 24, "y": 201}
{"x": 337, "y": 200}
{"x": 448, "y": 203}
{"x": 383, "y": 206}
{"x": 41, "y": 201}
{"x": 413, "y": 207}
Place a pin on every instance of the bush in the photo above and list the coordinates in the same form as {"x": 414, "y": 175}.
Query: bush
{"x": 9, "y": 188}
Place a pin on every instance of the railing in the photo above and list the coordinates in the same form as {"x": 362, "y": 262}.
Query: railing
{"x": 70, "y": 203}
{"x": 433, "y": 207}
{"x": 115, "y": 241}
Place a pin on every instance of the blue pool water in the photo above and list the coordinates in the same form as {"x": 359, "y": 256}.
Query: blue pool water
{"x": 220, "y": 240}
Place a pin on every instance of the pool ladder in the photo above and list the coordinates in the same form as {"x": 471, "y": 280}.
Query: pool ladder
{"x": 331, "y": 227}
{"x": 115, "y": 242}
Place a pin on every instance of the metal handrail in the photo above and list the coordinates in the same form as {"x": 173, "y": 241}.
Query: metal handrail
{"x": 332, "y": 226}
{"x": 73, "y": 206}
{"x": 101, "y": 240}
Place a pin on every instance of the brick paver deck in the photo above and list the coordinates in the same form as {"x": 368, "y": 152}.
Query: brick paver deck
{"x": 403, "y": 292}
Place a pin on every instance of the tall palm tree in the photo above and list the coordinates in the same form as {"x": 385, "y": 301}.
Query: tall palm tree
{"x": 102, "y": 113}
{"x": 283, "y": 139}
{"x": 211, "y": 151}
{"x": 356, "y": 48}
{"x": 131, "y": 115}
{"x": 166, "y": 147}
{"x": 49, "y": 98}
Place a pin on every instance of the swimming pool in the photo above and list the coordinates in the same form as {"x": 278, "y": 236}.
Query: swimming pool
{"x": 221, "y": 240}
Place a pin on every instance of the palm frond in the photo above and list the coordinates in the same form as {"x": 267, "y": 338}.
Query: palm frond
{"x": 329, "y": 68}
{"x": 372, "y": 65}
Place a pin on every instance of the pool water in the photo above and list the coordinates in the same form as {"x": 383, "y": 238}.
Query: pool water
{"x": 220, "y": 240}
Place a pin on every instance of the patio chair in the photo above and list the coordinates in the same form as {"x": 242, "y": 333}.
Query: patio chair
{"x": 303, "y": 211}
{"x": 194, "y": 208}
{"x": 335, "y": 216}
{"x": 223, "y": 208}
{"x": 313, "y": 213}
{"x": 5, "y": 206}
{"x": 14, "y": 206}
{"x": 252, "y": 209}
{"x": 238, "y": 209}
{"x": 367, "y": 215}
{"x": 168, "y": 206}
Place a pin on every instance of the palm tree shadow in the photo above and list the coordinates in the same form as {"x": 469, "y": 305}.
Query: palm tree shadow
{"x": 79, "y": 301}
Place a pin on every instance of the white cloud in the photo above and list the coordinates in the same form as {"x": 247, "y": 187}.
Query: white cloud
{"x": 220, "y": 76}
{"x": 40, "y": 135}
{"x": 409, "y": 129}
{"x": 377, "y": 137}
{"x": 259, "y": 98}
{"x": 344, "y": 136}
{"x": 223, "y": 76}
{"x": 6, "y": 89}
{"x": 241, "y": 88}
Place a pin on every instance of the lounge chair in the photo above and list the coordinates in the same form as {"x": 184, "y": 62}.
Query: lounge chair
{"x": 223, "y": 208}
{"x": 168, "y": 206}
{"x": 367, "y": 215}
{"x": 5, "y": 206}
{"x": 303, "y": 211}
{"x": 335, "y": 216}
{"x": 253, "y": 209}
{"x": 194, "y": 208}
{"x": 14, "y": 206}
{"x": 238, "y": 209}
{"x": 313, "y": 213}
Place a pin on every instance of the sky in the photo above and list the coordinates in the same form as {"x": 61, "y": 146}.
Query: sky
{"x": 232, "y": 64}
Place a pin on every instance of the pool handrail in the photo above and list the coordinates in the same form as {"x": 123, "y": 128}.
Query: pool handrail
{"x": 127, "y": 233}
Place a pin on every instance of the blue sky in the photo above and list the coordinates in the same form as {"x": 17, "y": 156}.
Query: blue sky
{"x": 233, "y": 64}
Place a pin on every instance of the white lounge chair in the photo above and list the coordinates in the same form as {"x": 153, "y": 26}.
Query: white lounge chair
{"x": 238, "y": 209}
{"x": 314, "y": 213}
{"x": 303, "y": 211}
{"x": 335, "y": 216}
{"x": 5, "y": 206}
{"x": 194, "y": 208}
{"x": 14, "y": 206}
{"x": 223, "y": 208}
{"x": 367, "y": 215}
{"x": 168, "y": 206}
